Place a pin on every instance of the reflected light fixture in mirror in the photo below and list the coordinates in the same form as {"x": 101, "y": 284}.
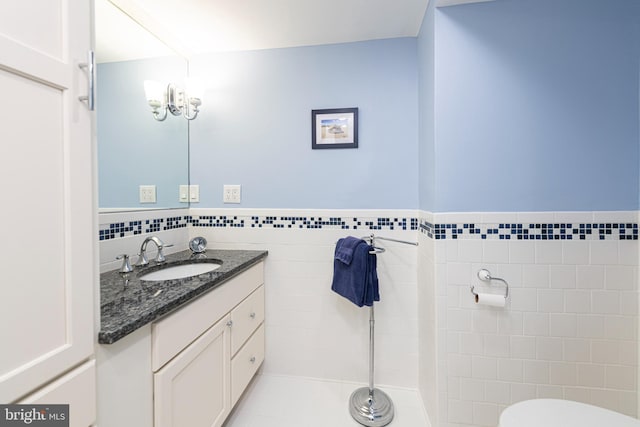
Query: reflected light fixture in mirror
{"x": 172, "y": 99}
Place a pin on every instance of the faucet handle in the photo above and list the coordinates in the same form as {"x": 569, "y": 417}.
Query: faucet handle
{"x": 160, "y": 258}
{"x": 126, "y": 263}
{"x": 142, "y": 259}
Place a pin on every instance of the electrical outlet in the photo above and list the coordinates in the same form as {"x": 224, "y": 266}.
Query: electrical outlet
{"x": 194, "y": 193}
{"x": 147, "y": 194}
{"x": 183, "y": 194}
{"x": 231, "y": 194}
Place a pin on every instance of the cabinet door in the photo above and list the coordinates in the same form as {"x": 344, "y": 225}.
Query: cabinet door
{"x": 194, "y": 388}
{"x": 46, "y": 177}
{"x": 74, "y": 388}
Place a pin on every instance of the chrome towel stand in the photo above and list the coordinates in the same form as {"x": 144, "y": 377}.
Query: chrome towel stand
{"x": 368, "y": 405}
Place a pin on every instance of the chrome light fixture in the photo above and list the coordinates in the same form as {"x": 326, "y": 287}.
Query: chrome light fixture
{"x": 172, "y": 99}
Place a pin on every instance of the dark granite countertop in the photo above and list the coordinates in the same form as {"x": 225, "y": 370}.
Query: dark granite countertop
{"x": 128, "y": 303}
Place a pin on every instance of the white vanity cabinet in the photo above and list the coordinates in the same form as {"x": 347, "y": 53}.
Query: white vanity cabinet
{"x": 205, "y": 354}
{"x": 190, "y": 367}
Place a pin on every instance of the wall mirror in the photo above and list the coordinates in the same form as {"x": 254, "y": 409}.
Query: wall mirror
{"x": 134, "y": 149}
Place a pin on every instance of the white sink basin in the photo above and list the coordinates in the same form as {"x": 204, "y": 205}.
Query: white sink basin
{"x": 180, "y": 271}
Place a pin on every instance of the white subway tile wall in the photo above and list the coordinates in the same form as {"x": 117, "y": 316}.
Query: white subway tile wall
{"x": 310, "y": 330}
{"x": 569, "y": 328}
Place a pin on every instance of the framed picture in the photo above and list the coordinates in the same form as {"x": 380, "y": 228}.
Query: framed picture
{"x": 334, "y": 128}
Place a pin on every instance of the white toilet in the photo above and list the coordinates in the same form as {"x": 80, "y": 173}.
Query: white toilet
{"x": 562, "y": 413}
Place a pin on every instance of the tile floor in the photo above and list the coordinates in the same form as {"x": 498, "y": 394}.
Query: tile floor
{"x": 281, "y": 401}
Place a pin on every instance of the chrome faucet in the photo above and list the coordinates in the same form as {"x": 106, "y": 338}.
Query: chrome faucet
{"x": 142, "y": 256}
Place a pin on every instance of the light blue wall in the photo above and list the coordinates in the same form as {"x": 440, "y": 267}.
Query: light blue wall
{"x": 535, "y": 106}
{"x": 255, "y": 126}
{"x": 427, "y": 124}
{"x": 133, "y": 148}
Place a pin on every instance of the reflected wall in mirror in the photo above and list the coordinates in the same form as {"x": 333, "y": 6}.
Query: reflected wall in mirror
{"x": 134, "y": 149}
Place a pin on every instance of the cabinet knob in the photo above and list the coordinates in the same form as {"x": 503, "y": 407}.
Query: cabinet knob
{"x": 253, "y": 359}
{"x": 252, "y": 315}
{"x": 230, "y": 323}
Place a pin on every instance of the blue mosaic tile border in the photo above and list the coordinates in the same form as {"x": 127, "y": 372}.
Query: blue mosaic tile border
{"x": 452, "y": 231}
{"x": 531, "y": 231}
{"x": 131, "y": 228}
{"x": 310, "y": 222}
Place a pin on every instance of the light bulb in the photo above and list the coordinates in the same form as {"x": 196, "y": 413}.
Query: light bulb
{"x": 154, "y": 92}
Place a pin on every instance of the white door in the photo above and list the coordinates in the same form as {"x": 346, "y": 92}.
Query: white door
{"x": 194, "y": 388}
{"x": 46, "y": 183}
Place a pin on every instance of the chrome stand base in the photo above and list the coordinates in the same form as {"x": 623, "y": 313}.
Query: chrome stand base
{"x": 373, "y": 410}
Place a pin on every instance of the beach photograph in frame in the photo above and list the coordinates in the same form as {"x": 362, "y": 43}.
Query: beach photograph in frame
{"x": 334, "y": 128}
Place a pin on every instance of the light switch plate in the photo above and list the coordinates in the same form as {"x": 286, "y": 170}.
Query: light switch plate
{"x": 194, "y": 193}
{"x": 232, "y": 194}
{"x": 184, "y": 194}
{"x": 147, "y": 194}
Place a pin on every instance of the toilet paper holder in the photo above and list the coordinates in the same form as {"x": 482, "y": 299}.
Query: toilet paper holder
{"x": 485, "y": 276}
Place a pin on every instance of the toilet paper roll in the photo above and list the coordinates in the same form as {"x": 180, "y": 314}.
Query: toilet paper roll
{"x": 491, "y": 300}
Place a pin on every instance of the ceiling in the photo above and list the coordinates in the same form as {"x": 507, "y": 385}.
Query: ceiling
{"x": 199, "y": 26}
{"x": 119, "y": 38}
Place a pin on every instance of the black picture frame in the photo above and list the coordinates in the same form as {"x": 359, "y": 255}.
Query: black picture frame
{"x": 334, "y": 128}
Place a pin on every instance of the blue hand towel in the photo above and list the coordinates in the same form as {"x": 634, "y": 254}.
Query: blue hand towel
{"x": 357, "y": 279}
{"x": 345, "y": 248}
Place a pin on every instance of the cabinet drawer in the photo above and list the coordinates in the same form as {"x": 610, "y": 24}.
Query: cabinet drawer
{"x": 246, "y": 317}
{"x": 245, "y": 364}
{"x": 174, "y": 332}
